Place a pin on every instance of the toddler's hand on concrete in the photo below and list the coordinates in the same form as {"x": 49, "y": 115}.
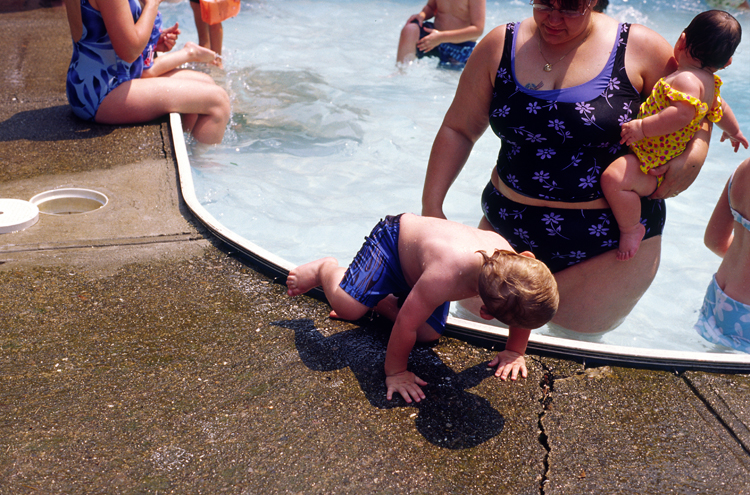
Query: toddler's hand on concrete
{"x": 407, "y": 384}
{"x": 509, "y": 363}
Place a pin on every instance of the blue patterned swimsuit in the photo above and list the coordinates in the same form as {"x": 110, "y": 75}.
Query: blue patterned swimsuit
{"x": 375, "y": 273}
{"x": 95, "y": 69}
{"x": 555, "y": 146}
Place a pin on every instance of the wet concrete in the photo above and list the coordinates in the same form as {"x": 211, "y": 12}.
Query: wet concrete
{"x": 140, "y": 355}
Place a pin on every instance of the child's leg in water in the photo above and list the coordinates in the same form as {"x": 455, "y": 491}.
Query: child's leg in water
{"x": 327, "y": 273}
{"x": 624, "y": 184}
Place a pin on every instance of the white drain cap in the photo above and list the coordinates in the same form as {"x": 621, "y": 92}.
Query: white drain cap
{"x": 16, "y": 214}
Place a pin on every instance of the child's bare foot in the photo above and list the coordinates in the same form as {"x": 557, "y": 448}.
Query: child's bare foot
{"x": 630, "y": 241}
{"x": 200, "y": 53}
{"x": 305, "y": 277}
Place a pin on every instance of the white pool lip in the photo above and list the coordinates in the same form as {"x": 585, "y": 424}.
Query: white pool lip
{"x": 587, "y": 352}
{"x": 70, "y": 193}
{"x": 17, "y": 215}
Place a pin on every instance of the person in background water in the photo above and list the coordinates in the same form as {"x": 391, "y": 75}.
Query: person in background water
{"x": 451, "y": 37}
{"x": 670, "y": 117}
{"x": 104, "y": 82}
{"x": 210, "y": 36}
{"x": 725, "y": 316}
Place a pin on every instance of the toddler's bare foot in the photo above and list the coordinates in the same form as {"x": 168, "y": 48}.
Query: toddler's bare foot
{"x": 200, "y": 53}
{"x": 630, "y": 241}
{"x": 305, "y": 277}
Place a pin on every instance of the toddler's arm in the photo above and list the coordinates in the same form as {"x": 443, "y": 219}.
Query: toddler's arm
{"x": 511, "y": 360}
{"x": 731, "y": 128}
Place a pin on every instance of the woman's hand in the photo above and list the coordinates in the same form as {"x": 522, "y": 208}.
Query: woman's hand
{"x": 681, "y": 171}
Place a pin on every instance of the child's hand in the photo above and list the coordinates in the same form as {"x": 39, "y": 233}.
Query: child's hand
{"x": 168, "y": 38}
{"x": 509, "y": 363}
{"x": 735, "y": 140}
{"x": 407, "y": 384}
{"x": 631, "y": 132}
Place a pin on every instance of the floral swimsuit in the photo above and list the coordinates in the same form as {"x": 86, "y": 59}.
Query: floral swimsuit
{"x": 555, "y": 146}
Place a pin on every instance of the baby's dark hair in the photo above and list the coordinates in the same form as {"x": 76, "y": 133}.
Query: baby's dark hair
{"x": 712, "y": 37}
{"x": 517, "y": 290}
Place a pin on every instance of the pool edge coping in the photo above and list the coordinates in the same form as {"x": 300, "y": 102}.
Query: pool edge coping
{"x": 587, "y": 352}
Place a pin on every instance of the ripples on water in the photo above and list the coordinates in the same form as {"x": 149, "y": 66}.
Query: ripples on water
{"x": 326, "y": 139}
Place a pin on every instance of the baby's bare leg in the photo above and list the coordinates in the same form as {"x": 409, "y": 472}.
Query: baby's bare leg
{"x": 327, "y": 273}
{"x": 623, "y": 184}
{"x": 307, "y": 276}
{"x": 388, "y": 307}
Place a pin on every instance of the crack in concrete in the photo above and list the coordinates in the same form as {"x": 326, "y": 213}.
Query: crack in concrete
{"x": 547, "y": 385}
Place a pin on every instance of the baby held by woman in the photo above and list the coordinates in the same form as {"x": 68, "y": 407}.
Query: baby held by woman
{"x": 670, "y": 117}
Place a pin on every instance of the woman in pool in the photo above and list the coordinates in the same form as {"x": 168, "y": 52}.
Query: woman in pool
{"x": 557, "y": 99}
{"x": 104, "y": 79}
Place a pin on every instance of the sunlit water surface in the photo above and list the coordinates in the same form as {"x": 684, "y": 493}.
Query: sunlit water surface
{"x": 326, "y": 139}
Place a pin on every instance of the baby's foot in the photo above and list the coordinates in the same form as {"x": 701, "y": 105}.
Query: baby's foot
{"x": 630, "y": 241}
{"x": 305, "y": 277}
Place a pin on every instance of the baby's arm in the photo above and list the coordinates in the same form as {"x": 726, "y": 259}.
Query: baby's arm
{"x": 720, "y": 228}
{"x": 731, "y": 128}
{"x": 511, "y": 360}
{"x": 671, "y": 119}
{"x": 170, "y": 61}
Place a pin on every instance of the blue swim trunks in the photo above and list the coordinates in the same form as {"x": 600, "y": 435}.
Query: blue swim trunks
{"x": 723, "y": 320}
{"x": 452, "y": 55}
{"x": 375, "y": 272}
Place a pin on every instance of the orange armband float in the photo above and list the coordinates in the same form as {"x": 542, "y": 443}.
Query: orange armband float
{"x": 216, "y": 11}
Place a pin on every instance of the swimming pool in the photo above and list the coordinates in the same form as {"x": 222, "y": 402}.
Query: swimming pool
{"x": 326, "y": 139}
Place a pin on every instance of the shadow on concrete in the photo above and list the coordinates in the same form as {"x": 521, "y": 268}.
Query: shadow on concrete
{"x": 449, "y": 417}
{"x": 56, "y": 123}
{"x": 25, "y": 5}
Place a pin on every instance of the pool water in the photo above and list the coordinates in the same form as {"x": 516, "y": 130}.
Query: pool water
{"x": 327, "y": 137}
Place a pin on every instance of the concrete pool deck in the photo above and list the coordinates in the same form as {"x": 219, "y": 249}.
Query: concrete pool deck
{"x": 138, "y": 354}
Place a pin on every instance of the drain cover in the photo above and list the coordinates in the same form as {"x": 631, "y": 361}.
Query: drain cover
{"x": 16, "y": 214}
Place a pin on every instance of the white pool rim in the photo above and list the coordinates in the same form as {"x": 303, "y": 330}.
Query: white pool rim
{"x": 587, "y": 352}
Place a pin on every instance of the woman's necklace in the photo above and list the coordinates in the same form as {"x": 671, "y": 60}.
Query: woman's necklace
{"x": 548, "y": 66}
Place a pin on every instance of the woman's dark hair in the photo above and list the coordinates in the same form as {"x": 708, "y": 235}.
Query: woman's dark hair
{"x": 712, "y": 37}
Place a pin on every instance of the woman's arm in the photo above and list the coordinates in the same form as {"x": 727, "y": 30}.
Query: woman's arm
{"x": 466, "y": 120}
{"x": 128, "y": 38}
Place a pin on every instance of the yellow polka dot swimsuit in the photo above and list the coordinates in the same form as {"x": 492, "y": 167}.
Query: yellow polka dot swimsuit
{"x": 657, "y": 150}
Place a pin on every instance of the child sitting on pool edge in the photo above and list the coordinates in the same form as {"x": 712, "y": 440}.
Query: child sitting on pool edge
{"x": 430, "y": 262}
{"x": 669, "y": 118}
